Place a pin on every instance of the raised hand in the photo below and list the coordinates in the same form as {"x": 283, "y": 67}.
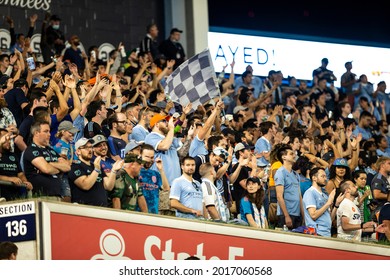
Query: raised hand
{"x": 117, "y": 165}
{"x": 243, "y": 162}
{"x": 220, "y": 105}
{"x": 171, "y": 125}
{"x": 191, "y": 131}
{"x": 187, "y": 109}
{"x": 159, "y": 164}
{"x": 9, "y": 20}
{"x": 96, "y": 163}
{"x": 33, "y": 19}
{"x": 331, "y": 196}
{"x": 57, "y": 77}
{"x": 69, "y": 81}
{"x": 340, "y": 198}
{"x": 171, "y": 63}
{"x": 53, "y": 85}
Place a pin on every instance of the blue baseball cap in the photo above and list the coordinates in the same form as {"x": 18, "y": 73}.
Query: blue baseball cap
{"x": 340, "y": 162}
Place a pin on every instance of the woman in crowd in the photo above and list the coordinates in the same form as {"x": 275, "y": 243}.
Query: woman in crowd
{"x": 251, "y": 206}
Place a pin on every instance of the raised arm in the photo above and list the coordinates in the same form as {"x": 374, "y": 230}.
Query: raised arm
{"x": 210, "y": 121}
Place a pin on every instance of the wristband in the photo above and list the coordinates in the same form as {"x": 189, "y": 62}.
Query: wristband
{"x": 336, "y": 206}
{"x": 361, "y": 225}
{"x": 98, "y": 171}
{"x": 373, "y": 228}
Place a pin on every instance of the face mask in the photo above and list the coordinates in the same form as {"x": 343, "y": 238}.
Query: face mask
{"x": 56, "y": 27}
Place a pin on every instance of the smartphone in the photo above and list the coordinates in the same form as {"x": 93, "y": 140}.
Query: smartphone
{"x": 30, "y": 63}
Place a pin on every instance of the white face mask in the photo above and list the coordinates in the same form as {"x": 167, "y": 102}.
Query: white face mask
{"x": 57, "y": 26}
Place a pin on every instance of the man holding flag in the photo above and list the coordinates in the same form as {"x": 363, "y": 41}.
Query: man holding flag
{"x": 193, "y": 81}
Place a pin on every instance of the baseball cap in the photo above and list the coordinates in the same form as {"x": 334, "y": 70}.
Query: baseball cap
{"x": 157, "y": 118}
{"x": 242, "y": 146}
{"x": 327, "y": 156}
{"x": 132, "y": 145}
{"x": 133, "y": 158}
{"x": 219, "y": 151}
{"x": 227, "y": 117}
{"x": 173, "y": 30}
{"x": 384, "y": 213}
{"x": 55, "y": 17}
{"x": 253, "y": 179}
{"x": 82, "y": 142}
{"x": 340, "y": 162}
{"x": 239, "y": 108}
{"x": 67, "y": 126}
{"x": 20, "y": 83}
{"x": 176, "y": 115}
{"x": 97, "y": 139}
{"x": 3, "y": 81}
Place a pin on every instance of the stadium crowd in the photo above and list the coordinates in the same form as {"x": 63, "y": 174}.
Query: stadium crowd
{"x": 270, "y": 152}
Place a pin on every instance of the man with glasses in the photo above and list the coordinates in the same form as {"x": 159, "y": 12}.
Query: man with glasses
{"x": 117, "y": 126}
{"x": 88, "y": 183}
{"x": 349, "y": 224}
{"x": 186, "y": 193}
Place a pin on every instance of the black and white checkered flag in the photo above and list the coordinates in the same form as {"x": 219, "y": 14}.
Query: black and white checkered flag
{"x": 193, "y": 81}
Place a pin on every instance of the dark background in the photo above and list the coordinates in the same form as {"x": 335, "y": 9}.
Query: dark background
{"x": 99, "y": 21}
{"x": 95, "y": 21}
{"x": 341, "y": 20}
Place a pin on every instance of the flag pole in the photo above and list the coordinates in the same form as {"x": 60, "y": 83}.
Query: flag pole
{"x": 219, "y": 93}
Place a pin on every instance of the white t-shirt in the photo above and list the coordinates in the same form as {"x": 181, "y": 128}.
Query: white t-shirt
{"x": 348, "y": 209}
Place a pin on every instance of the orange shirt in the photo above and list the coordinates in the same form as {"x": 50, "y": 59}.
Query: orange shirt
{"x": 275, "y": 166}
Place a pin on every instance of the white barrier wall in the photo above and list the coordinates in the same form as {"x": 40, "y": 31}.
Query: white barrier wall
{"x": 63, "y": 231}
